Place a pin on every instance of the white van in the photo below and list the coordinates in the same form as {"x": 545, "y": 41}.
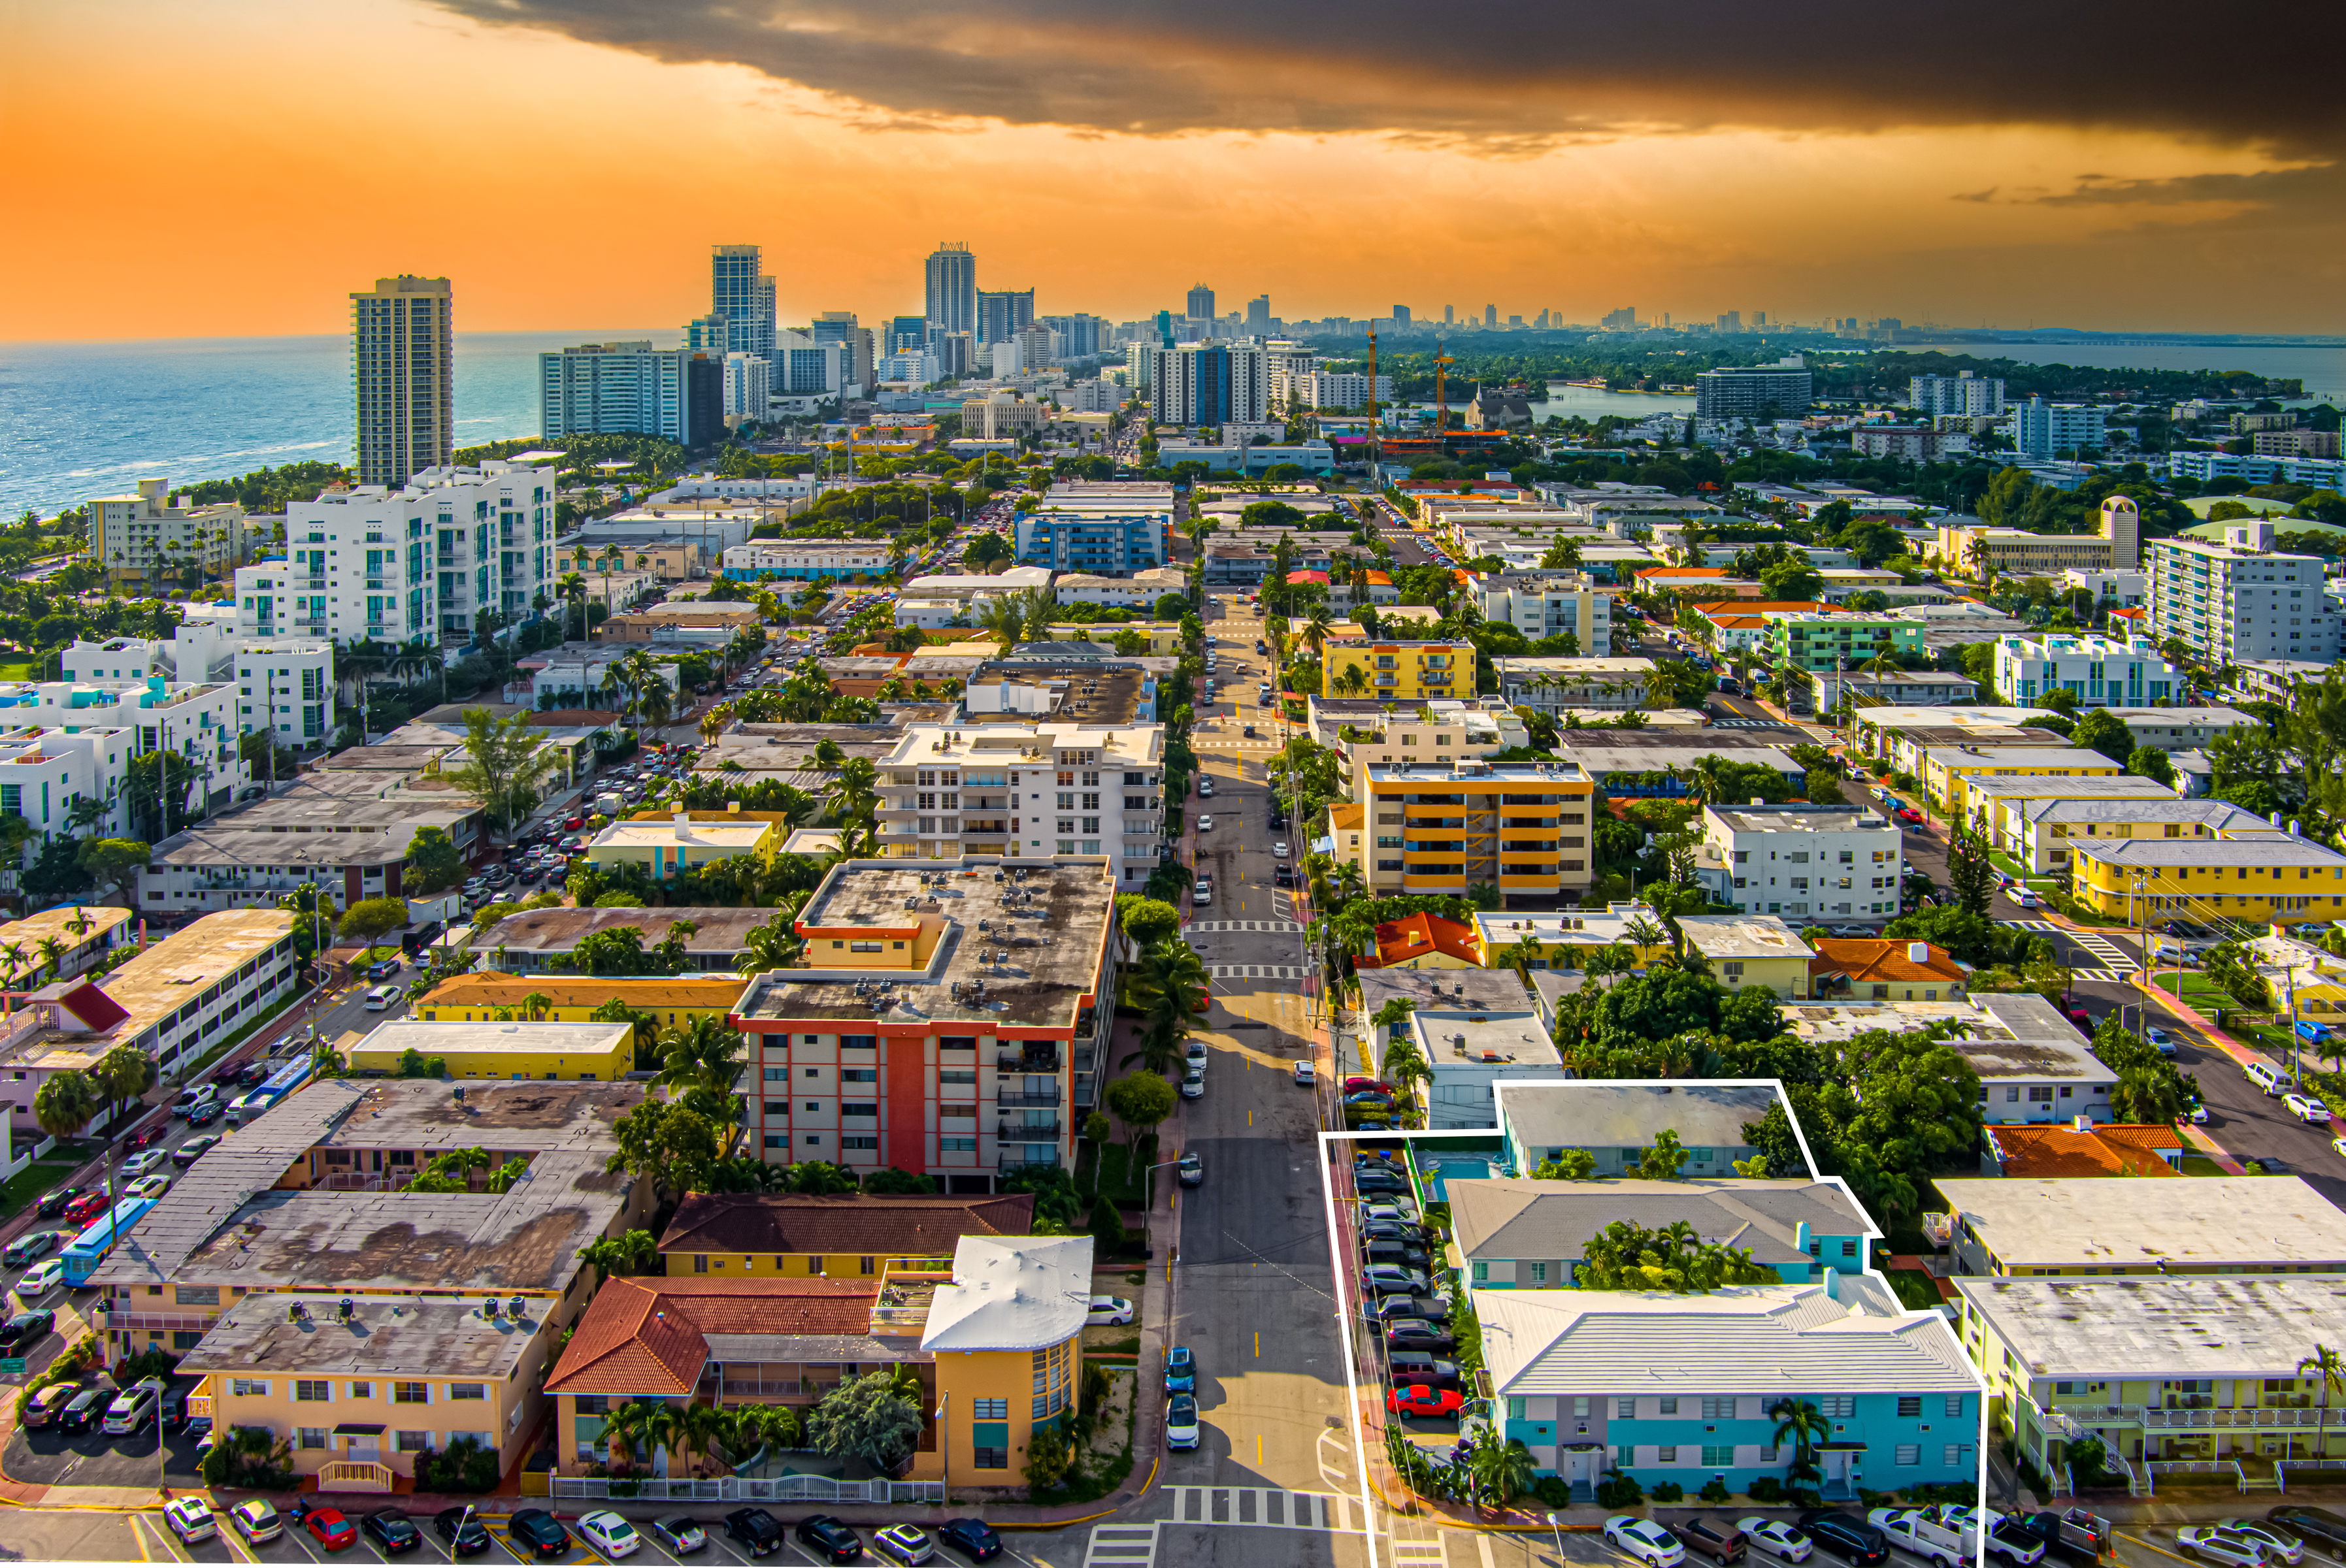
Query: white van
{"x": 2267, "y": 1077}
{"x": 383, "y": 997}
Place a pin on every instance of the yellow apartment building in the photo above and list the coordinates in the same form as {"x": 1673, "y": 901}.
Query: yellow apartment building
{"x": 2271, "y": 877}
{"x": 994, "y": 1332}
{"x": 845, "y": 1236}
{"x": 1403, "y": 671}
{"x": 1948, "y": 770}
{"x": 1449, "y": 825}
{"x": 360, "y": 1385}
{"x": 1752, "y": 949}
{"x": 592, "y": 1052}
{"x": 487, "y": 996}
{"x": 2044, "y": 831}
{"x": 665, "y": 843}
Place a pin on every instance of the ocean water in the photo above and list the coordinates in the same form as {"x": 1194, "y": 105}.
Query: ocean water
{"x": 84, "y": 420}
{"x": 2320, "y": 366}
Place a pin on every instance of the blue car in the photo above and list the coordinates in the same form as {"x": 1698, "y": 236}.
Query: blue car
{"x": 1180, "y": 1370}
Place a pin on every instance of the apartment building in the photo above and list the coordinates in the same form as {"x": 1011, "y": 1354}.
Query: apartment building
{"x": 1361, "y": 730}
{"x": 535, "y": 942}
{"x": 801, "y": 1236}
{"x": 1964, "y": 394}
{"x": 1820, "y": 643}
{"x": 1401, "y": 671}
{"x": 1780, "y": 391}
{"x": 2043, "y": 429}
{"x": 2131, "y": 1363}
{"x": 1750, "y": 949}
{"x": 1947, "y": 771}
{"x": 1304, "y": 390}
{"x": 2098, "y": 671}
{"x": 151, "y": 539}
{"x": 408, "y": 565}
{"x": 1818, "y": 861}
{"x": 2033, "y": 1065}
{"x": 517, "y": 1048}
{"x": 2042, "y": 830}
{"x": 1983, "y": 553}
{"x": 1616, "y": 1122}
{"x": 1555, "y": 683}
{"x": 1207, "y": 384}
{"x": 2241, "y": 599}
{"x": 805, "y": 560}
{"x": 404, "y": 373}
{"x": 1138, "y": 591}
{"x": 2055, "y": 1228}
{"x": 668, "y": 844}
{"x": 2260, "y": 877}
{"x": 70, "y": 938}
{"x": 1027, "y": 791}
{"x": 932, "y": 990}
{"x": 1442, "y": 826}
{"x": 1096, "y": 540}
{"x": 1550, "y": 603}
{"x": 596, "y": 389}
{"x": 1523, "y": 1234}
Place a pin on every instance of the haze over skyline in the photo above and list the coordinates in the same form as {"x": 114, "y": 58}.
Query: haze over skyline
{"x": 573, "y": 160}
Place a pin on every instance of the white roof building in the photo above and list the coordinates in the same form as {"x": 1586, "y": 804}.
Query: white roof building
{"x": 1012, "y": 1293}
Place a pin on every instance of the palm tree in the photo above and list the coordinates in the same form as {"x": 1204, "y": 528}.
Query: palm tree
{"x": 573, "y": 588}
{"x": 1352, "y": 680}
{"x": 1315, "y": 629}
{"x": 701, "y": 1426}
{"x": 2331, "y": 1368}
{"x": 776, "y": 944}
{"x": 1805, "y": 1425}
{"x": 15, "y": 953}
{"x": 1502, "y": 1472}
{"x": 536, "y": 1005}
{"x": 853, "y": 799}
{"x": 716, "y": 722}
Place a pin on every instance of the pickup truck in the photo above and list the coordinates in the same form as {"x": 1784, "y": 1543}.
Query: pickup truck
{"x": 1721, "y": 1542}
{"x": 1924, "y": 1536}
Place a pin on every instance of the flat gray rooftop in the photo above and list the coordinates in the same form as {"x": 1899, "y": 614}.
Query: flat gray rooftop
{"x": 718, "y": 932}
{"x": 382, "y": 1337}
{"x": 2162, "y": 1326}
{"x": 1586, "y": 1115}
{"x": 2204, "y": 1222}
{"x": 504, "y": 1117}
{"x": 1046, "y": 933}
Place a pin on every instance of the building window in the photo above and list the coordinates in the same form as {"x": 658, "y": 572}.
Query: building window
{"x": 410, "y": 1394}
{"x": 1838, "y": 1407}
{"x": 317, "y": 1391}
{"x": 1666, "y": 1454}
{"x": 1539, "y": 1273}
{"x": 407, "y": 1442}
{"x": 1669, "y": 1406}
{"x": 1955, "y": 1406}
{"x": 312, "y": 1437}
{"x": 1718, "y": 1456}
{"x": 1909, "y": 1453}
{"x": 1482, "y": 1274}
{"x": 990, "y": 1445}
{"x": 1718, "y": 1409}
{"x": 361, "y": 1390}
{"x": 1625, "y": 1410}
{"x": 468, "y": 1391}
{"x": 1954, "y": 1455}
{"x": 248, "y": 1388}
{"x": 1909, "y": 1405}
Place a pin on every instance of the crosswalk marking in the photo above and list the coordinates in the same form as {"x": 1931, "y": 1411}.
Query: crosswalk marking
{"x": 1268, "y": 1508}
{"x": 1256, "y": 972}
{"x": 1121, "y": 1546}
{"x": 2029, "y": 924}
{"x": 2107, "y": 976}
{"x": 2109, "y": 952}
{"x": 2117, "y": 962}
{"x": 1213, "y": 925}
{"x": 1751, "y": 724}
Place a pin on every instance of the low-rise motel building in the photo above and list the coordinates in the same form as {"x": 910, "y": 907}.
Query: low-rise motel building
{"x": 171, "y": 1001}
{"x": 307, "y": 1205}
{"x": 2163, "y": 1369}
{"x": 664, "y": 842}
{"x": 1403, "y": 671}
{"x": 62, "y": 942}
{"x": 1948, "y": 770}
{"x": 590, "y": 1052}
{"x": 812, "y": 1236}
{"x": 1438, "y": 827}
{"x": 2014, "y": 1228}
{"x": 947, "y": 1018}
{"x": 992, "y": 1329}
{"x": 487, "y": 996}
{"x": 2262, "y": 877}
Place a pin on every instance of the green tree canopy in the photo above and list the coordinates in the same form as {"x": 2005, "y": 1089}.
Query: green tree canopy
{"x": 433, "y": 863}
{"x": 507, "y": 760}
{"x": 370, "y": 919}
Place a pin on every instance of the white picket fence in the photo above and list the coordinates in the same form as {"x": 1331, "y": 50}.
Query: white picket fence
{"x": 748, "y": 1489}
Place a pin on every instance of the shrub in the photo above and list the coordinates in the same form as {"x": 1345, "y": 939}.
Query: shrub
{"x": 252, "y": 1458}
{"x": 1713, "y": 1491}
{"x": 1618, "y": 1491}
{"x": 1552, "y": 1492}
{"x": 1668, "y": 1491}
{"x": 1767, "y": 1488}
{"x": 465, "y": 1467}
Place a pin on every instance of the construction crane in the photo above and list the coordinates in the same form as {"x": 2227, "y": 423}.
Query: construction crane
{"x": 1441, "y": 363}
{"x": 1375, "y": 453}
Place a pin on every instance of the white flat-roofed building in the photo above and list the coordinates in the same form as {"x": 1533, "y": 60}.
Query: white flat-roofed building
{"x": 977, "y": 587}
{"x": 2042, "y": 830}
{"x": 2072, "y": 1227}
{"x": 1549, "y": 685}
{"x": 2098, "y": 671}
{"x": 1814, "y": 861}
{"x": 151, "y": 536}
{"x": 805, "y": 559}
{"x": 2241, "y": 599}
{"x": 1550, "y": 603}
{"x": 1028, "y": 789}
{"x": 1469, "y": 1053}
{"x": 2033, "y": 1065}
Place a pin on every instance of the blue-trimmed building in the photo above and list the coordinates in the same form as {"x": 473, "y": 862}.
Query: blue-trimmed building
{"x": 1107, "y": 542}
{"x": 1527, "y": 1234}
{"x": 1678, "y": 1387}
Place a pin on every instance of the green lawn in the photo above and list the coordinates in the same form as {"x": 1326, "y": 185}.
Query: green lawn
{"x": 29, "y": 1184}
{"x": 1113, "y": 1178}
{"x": 18, "y": 672}
{"x": 1915, "y": 1290}
{"x": 2201, "y": 1165}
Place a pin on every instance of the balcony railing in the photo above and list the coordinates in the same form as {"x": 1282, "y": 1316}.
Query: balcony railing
{"x": 1017, "y": 1101}
{"x": 2174, "y": 1421}
{"x": 2075, "y": 1420}
{"x": 1028, "y": 1132}
{"x": 1020, "y": 1062}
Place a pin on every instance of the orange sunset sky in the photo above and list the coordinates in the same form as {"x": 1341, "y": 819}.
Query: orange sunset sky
{"x": 236, "y": 166}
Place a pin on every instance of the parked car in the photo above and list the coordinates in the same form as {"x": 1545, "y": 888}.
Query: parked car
{"x": 1181, "y": 1422}
{"x": 327, "y": 1527}
{"x": 42, "y": 1410}
{"x": 1425, "y": 1400}
{"x": 973, "y": 1538}
{"x": 256, "y": 1520}
{"x": 539, "y": 1532}
{"x": 1646, "y": 1540}
{"x": 189, "y": 1519}
{"x": 1721, "y": 1542}
{"x": 905, "y": 1544}
{"x": 1417, "y": 1334}
{"x": 1192, "y": 1169}
{"x": 1418, "y": 1367}
{"x": 2214, "y": 1543}
{"x": 1379, "y": 1181}
{"x": 86, "y": 1410}
{"x": 1304, "y": 1074}
{"x": 2282, "y": 1545}
{"x": 25, "y": 1330}
{"x": 1108, "y": 1310}
{"x": 1391, "y": 1280}
{"x": 1845, "y": 1536}
{"x": 1775, "y": 1535}
{"x": 392, "y": 1531}
{"x": 610, "y": 1534}
{"x": 830, "y": 1540}
{"x": 133, "y": 1409}
{"x": 679, "y": 1533}
{"x": 757, "y": 1531}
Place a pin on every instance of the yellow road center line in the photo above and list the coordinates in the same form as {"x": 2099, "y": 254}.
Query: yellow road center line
{"x": 1258, "y": 1344}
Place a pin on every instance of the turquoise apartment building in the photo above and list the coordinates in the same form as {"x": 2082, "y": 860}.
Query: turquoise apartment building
{"x": 1523, "y": 1234}
{"x": 1676, "y": 1388}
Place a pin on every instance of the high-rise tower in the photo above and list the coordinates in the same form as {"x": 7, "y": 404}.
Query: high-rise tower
{"x": 744, "y": 296}
{"x": 1201, "y": 302}
{"x": 953, "y": 288}
{"x": 402, "y": 365}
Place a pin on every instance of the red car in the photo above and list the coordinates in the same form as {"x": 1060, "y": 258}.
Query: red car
{"x": 574, "y": 823}
{"x": 86, "y": 1207}
{"x": 1419, "y": 1399}
{"x": 1357, "y": 1085}
{"x": 1908, "y": 814}
{"x": 331, "y": 1530}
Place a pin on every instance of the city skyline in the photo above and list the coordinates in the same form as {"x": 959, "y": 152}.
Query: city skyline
{"x": 2142, "y": 199}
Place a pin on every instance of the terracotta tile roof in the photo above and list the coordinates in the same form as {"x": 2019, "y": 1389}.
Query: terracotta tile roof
{"x": 1345, "y": 814}
{"x": 1415, "y": 936}
{"x": 491, "y": 989}
{"x": 907, "y": 1226}
{"x": 651, "y": 1336}
{"x": 1867, "y": 960}
{"x": 2058, "y": 1150}
{"x": 1756, "y": 606}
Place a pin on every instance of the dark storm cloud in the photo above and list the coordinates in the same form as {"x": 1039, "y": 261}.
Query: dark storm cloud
{"x": 1507, "y": 77}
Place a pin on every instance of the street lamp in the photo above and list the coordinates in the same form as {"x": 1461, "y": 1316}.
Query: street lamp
{"x": 944, "y": 1441}
{"x": 1557, "y": 1531}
